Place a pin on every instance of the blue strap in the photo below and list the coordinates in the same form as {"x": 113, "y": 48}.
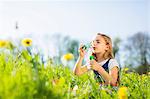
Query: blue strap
{"x": 97, "y": 76}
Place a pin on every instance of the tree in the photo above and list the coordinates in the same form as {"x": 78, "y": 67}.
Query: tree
{"x": 116, "y": 48}
{"x": 138, "y": 47}
{"x": 116, "y": 45}
{"x": 71, "y": 46}
{"x": 65, "y": 44}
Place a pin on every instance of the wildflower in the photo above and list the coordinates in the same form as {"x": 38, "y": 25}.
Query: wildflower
{"x": 97, "y": 84}
{"x": 122, "y": 92}
{"x": 55, "y": 82}
{"x": 3, "y": 43}
{"x": 67, "y": 60}
{"x": 46, "y": 83}
{"x": 144, "y": 77}
{"x": 27, "y": 42}
{"x": 75, "y": 88}
{"x": 68, "y": 57}
{"x": 59, "y": 82}
{"x": 125, "y": 69}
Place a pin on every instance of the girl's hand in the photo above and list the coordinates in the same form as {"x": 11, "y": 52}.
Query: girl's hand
{"x": 81, "y": 51}
{"x": 94, "y": 65}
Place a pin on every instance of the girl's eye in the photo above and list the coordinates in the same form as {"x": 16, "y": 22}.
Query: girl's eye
{"x": 98, "y": 42}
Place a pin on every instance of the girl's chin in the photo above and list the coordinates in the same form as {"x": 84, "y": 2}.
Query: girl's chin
{"x": 94, "y": 51}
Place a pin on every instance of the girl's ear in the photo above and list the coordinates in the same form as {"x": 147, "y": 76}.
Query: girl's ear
{"x": 107, "y": 47}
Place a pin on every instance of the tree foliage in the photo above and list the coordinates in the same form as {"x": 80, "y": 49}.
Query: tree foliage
{"x": 138, "y": 47}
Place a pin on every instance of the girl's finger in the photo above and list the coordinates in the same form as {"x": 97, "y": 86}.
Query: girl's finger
{"x": 81, "y": 45}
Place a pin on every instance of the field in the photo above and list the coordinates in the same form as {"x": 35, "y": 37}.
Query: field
{"x": 24, "y": 75}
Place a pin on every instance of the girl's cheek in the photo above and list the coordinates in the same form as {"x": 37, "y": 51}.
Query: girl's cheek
{"x": 100, "y": 47}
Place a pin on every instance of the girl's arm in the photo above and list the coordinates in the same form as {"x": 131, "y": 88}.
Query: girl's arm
{"x": 114, "y": 74}
{"x": 79, "y": 69}
{"x": 111, "y": 77}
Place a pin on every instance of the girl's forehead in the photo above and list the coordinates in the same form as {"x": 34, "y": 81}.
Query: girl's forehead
{"x": 98, "y": 38}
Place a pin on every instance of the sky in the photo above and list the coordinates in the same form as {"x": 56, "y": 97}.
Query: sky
{"x": 80, "y": 19}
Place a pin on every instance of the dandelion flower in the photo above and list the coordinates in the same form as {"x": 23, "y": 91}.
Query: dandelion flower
{"x": 27, "y": 42}
{"x": 122, "y": 92}
{"x": 3, "y": 43}
{"x": 68, "y": 57}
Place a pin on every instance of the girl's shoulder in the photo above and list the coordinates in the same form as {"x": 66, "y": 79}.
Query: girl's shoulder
{"x": 112, "y": 63}
{"x": 113, "y": 60}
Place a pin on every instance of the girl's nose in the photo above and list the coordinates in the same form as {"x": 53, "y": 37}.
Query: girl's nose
{"x": 93, "y": 44}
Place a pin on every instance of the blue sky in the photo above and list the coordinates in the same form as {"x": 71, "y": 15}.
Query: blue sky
{"x": 80, "y": 19}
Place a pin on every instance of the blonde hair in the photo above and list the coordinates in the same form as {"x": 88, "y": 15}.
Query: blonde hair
{"x": 109, "y": 52}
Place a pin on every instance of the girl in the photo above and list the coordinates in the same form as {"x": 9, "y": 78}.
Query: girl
{"x": 104, "y": 66}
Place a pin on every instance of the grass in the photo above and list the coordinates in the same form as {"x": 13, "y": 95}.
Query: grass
{"x": 24, "y": 76}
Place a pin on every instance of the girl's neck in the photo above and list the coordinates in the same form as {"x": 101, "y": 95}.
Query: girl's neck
{"x": 99, "y": 57}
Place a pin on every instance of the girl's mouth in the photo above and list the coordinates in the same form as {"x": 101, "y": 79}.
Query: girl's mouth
{"x": 94, "y": 48}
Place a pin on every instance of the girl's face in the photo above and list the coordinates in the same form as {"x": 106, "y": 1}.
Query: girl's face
{"x": 99, "y": 45}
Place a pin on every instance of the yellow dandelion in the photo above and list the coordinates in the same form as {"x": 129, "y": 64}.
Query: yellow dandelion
{"x": 27, "y": 42}
{"x": 122, "y": 92}
{"x": 3, "y": 43}
{"x": 68, "y": 57}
